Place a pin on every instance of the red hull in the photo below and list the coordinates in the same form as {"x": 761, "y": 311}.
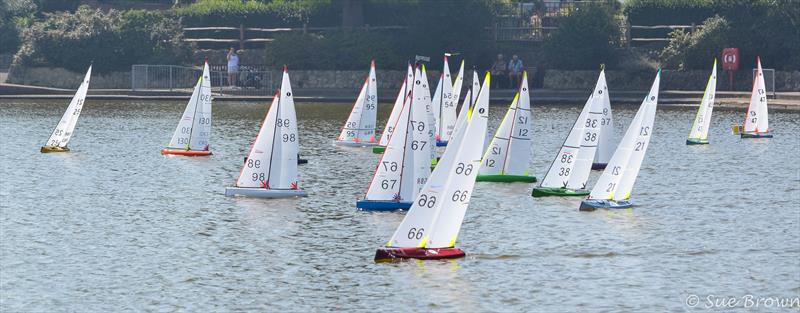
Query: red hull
{"x": 185, "y": 152}
{"x": 390, "y": 254}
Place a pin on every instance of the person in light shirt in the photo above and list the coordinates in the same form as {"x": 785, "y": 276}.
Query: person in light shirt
{"x": 515, "y": 68}
{"x": 233, "y": 67}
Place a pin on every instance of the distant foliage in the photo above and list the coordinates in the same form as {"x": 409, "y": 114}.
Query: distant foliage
{"x": 340, "y": 50}
{"x": 253, "y": 13}
{"x": 766, "y": 28}
{"x": 668, "y": 12}
{"x": 432, "y": 28}
{"x": 583, "y": 40}
{"x": 114, "y": 40}
{"x": 696, "y": 50}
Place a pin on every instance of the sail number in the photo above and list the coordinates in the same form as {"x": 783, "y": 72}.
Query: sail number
{"x": 183, "y": 141}
{"x": 462, "y": 168}
{"x": 413, "y": 233}
{"x": 419, "y": 126}
{"x": 489, "y": 163}
{"x": 590, "y": 136}
{"x": 186, "y": 130}
{"x": 388, "y": 183}
{"x": 639, "y": 146}
{"x": 460, "y": 196}
{"x": 289, "y": 138}
{"x": 496, "y": 150}
{"x": 205, "y": 97}
{"x": 591, "y": 122}
{"x": 426, "y": 201}
{"x": 389, "y": 166}
{"x": 205, "y": 120}
{"x": 644, "y": 131}
{"x": 258, "y": 176}
{"x": 564, "y": 171}
{"x": 566, "y": 158}
{"x": 282, "y": 122}
{"x": 253, "y": 163}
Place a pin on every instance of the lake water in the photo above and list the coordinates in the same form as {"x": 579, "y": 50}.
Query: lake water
{"x": 116, "y": 226}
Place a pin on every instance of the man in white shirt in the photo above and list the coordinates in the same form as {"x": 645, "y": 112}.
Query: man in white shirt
{"x": 233, "y": 67}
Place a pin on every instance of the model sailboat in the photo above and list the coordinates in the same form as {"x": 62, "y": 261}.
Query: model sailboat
{"x": 405, "y": 166}
{"x": 699, "y": 133}
{"x": 756, "y": 123}
{"x": 270, "y": 170}
{"x": 607, "y": 143}
{"x": 191, "y": 137}
{"x": 359, "y": 130}
{"x": 395, "y": 115}
{"x": 613, "y": 188}
{"x": 570, "y": 169}
{"x": 444, "y": 107}
{"x": 507, "y": 157}
{"x": 61, "y": 135}
{"x": 431, "y": 227}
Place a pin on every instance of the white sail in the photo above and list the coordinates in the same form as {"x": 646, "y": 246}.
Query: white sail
{"x": 590, "y": 135}
{"x": 66, "y": 126}
{"x": 444, "y": 108}
{"x": 703, "y": 118}
{"x": 469, "y": 101}
{"x": 272, "y": 161}
{"x": 435, "y": 217}
{"x": 429, "y": 108}
{"x": 194, "y": 128}
{"x": 757, "y": 120}
{"x": 387, "y": 183}
{"x": 360, "y": 125}
{"x": 458, "y": 84}
{"x": 617, "y": 179}
{"x": 510, "y": 150}
{"x": 606, "y": 146}
{"x": 398, "y": 105}
{"x": 561, "y": 169}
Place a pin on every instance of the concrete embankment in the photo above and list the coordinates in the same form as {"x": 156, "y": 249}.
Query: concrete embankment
{"x": 780, "y": 100}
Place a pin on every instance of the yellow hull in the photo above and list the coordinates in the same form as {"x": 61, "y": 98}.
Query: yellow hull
{"x": 48, "y": 149}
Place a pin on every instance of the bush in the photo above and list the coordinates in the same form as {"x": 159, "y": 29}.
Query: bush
{"x": 668, "y": 12}
{"x": 276, "y": 13}
{"x": 696, "y": 50}
{"x": 424, "y": 34}
{"x": 339, "y": 50}
{"x": 583, "y": 40}
{"x": 766, "y": 28}
{"x": 114, "y": 40}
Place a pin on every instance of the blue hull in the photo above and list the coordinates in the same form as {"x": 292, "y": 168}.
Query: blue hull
{"x": 382, "y": 205}
{"x": 441, "y": 143}
{"x": 594, "y": 204}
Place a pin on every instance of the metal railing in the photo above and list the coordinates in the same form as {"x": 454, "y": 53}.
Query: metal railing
{"x": 249, "y": 80}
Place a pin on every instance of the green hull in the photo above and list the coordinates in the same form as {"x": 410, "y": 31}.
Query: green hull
{"x": 693, "y": 141}
{"x": 378, "y": 149}
{"x": 756, "y": 135}
{"x": 558, "y": 192}
{"x": 506, "y": 178}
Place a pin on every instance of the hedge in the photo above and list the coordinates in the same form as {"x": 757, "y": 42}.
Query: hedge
{"x": 113, "y": 40}
{"x": 766, "y": 28}
{"x": 584, "y": 40}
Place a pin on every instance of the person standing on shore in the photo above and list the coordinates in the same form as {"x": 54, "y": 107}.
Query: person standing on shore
{"x": 515, "y": 68}
{"x": 233, "y": 67}
{"x": 499, "y": 70}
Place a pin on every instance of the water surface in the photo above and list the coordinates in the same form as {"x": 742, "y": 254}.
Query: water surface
{"x": 115, "y": 226}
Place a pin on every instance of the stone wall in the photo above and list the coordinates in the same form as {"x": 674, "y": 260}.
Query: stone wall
{"x": 63, "y": 78}
{"x": 670, "y": 80}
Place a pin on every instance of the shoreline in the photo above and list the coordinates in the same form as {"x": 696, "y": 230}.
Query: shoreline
{"x": 673, "y": 98}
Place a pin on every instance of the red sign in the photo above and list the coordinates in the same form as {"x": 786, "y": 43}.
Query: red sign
{"x": 730, "y": 59}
